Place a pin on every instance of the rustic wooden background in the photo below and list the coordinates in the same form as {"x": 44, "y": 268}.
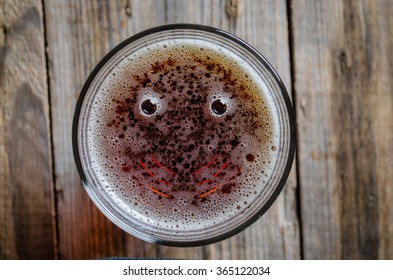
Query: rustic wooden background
{"x": 335, "y": 58}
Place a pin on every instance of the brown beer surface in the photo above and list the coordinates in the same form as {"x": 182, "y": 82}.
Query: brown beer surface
{"x": 182, "y": 136}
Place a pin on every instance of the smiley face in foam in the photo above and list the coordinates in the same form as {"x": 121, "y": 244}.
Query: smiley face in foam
{"x": 182, "y": 136}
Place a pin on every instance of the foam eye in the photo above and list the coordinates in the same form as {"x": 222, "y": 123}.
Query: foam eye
{"x": 219, "y": 106}
{"x": 149, "y": 106}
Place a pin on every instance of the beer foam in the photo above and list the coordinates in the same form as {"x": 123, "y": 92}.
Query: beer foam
{"x": 182, "y": 166}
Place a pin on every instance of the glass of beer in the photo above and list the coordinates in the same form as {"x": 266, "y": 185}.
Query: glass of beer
{"x": 183, "y": 135}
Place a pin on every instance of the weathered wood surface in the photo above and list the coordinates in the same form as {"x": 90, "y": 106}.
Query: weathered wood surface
{"x": 342, "y": 75}
{"x": 343, "y": 78}
{"x": 27, "y": 228}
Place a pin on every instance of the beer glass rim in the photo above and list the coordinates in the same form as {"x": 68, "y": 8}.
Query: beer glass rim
{"x": 234, "y": 39}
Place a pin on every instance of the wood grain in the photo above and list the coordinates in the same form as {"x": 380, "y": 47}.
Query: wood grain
{"x": 80, "y": 33}
{"x": 26, "y": 192}
{"x": 343, "y": 84}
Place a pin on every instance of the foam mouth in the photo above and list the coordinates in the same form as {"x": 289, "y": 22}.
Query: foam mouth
{"x": 217, "y": 175}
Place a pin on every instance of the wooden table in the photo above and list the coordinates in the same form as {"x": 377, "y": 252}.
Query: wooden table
{"x": 335, "y": 58}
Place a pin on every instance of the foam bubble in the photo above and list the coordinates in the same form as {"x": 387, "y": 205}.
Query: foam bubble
{"x": 149, "y": 94}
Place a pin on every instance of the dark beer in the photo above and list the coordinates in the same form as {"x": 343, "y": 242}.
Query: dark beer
{"x": 182, "y": 136}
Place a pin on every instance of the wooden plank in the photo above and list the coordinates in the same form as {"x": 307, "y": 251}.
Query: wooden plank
{"x": 276, "y": 235}
{"x": 26, "y": 191}
{"x": 80, "y": 33}
{"x": 343, "y": 84}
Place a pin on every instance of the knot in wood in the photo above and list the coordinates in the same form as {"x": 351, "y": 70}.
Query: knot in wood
{"x": 232, "y": 7}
